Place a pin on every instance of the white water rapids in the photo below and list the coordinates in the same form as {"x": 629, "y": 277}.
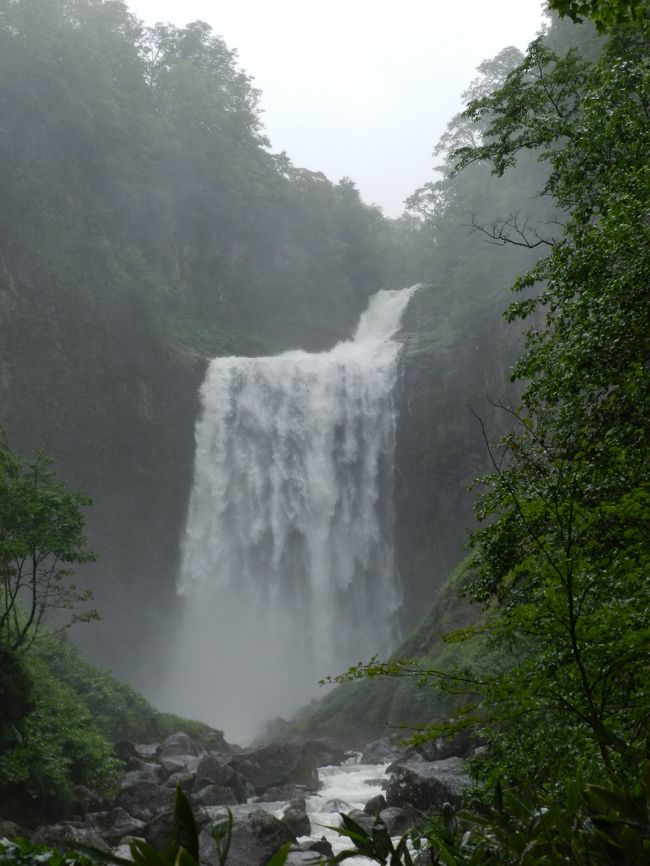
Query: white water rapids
{"x": 287, "y": 561}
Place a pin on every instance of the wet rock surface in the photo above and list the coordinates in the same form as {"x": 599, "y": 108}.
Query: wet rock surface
{"x": 427, "y": 785}
{"x": 282, "y": 777}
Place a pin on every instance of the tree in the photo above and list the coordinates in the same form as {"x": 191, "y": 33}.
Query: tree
{"x": 41, "y": 534}
{"x": 605, "y": 13}
{"x": 565, "y": 556}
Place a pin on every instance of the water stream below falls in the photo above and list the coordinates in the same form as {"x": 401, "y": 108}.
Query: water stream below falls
{"x": 287, "y": 560}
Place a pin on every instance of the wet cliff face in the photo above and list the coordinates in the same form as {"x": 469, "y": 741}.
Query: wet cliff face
{"x": 97, "y": 389}
{"x": 454, "y": 362}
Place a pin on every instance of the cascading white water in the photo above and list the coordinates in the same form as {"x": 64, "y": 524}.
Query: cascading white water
{"x": 287, "y": 561}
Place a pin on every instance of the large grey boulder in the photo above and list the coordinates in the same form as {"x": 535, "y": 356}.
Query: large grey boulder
{"x": 253, "y": 843}
{"x": 296, "y": 818}
{"x": 144, "y": 799}
{"x": 114, "y": 824}
{"x": 213, "y": 770}
{"x": 375, "y": 805}
{"x": 278, "y": 764}
{"x": 324, "y": 751}
{"x": 399, "y": 820}
{"x": 214, "y": 795}
{"x": 381, "y": 751}
{"x": 66, "y": 835}
{"x": 178, "y": 753}
{"x": 426, "y": 785}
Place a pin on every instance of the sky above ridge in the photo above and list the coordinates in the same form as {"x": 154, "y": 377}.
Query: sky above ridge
{"x": 362, "y": 88}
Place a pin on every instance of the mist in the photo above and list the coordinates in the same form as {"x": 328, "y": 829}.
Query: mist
{"x": 324, "y": 340}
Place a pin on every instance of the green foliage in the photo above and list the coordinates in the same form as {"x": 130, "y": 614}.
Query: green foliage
{"x": 61, "y": 716}
{"x": 21, "y": 852}
{"x": 375, "y": 844}
{"x": 415, "y": 685}
{"x": 118, "y": 711}
{"x": 55, "y": 746}
{"x": 136, "y": 176}
{"x": 583, "y": 824}
{"x": 41, "y": 533}
{"x": 605, "y": 13}
{"x": 566, "y": 559}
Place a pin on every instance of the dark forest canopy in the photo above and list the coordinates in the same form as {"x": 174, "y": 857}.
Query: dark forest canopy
{"x": 134, "y": 159}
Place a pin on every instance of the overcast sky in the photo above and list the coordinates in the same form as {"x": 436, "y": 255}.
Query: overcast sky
{"x": 362, "y": 88}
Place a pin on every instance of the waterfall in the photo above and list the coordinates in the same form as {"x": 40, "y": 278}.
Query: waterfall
{"x": 287, "y": 566}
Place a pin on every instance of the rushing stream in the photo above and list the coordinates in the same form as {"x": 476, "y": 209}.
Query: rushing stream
{"x": 287, "y": 560}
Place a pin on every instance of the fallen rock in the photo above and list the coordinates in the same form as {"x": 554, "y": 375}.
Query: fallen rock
{"x": 399, "y": 821}
{"x": 278, "y": 764}
{"x": 214, "y": 770}
{"x": 375, "y": 805}
{"x": 253, "y": 843}
{"x": 84, "y": 800}
{"x": 325, "y": 752}
{"x": 366, "y": 822}
{"x": 179, "y": 753}
{"x": 321, "y": 846}
{"x": 159, "y": 832}
{"x": 214, "y": 795}
{"x": 284, "y": 792}
{"x": 381, "y": 751}
{"x": 67, "y": 834}
{"x": 114, "y": 824}
{"x": 335, "y": 805}
{"x": 296, "y": 818}
{"x": 304, "y": 858}
{"x": 426, "y": 785}
{"x": 144, "y": 799}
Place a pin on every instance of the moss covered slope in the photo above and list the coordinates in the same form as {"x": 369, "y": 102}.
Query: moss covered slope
{"x": 357, "y": 712}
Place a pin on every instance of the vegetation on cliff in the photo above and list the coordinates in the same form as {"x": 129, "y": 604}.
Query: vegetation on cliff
{"x": 562, "y": 560}
{"x": 146, "y": 225}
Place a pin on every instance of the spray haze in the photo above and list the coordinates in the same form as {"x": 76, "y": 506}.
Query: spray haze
{"x": 287, "y": 561}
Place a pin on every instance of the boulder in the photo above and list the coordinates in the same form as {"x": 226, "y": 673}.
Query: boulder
{"x": 144, "y": 799}
{"x": 381, "y": 751}
{"x": 84, "y": 800}
{"x": 283, "y": 792}
{"x": 253, "y": 841}
{"x": 179, "y": 753}
{"x": 159, "y": 832}
{"x": 312, "y": 851}
{"x": 325, "y": 752}
{"x": 114, "y": 824}
{"x": 147, "y": 772}
{"x": 426, "y": 785}
{"x": 296, "y": 818}
{"x": 335, "y": 804}
{"x": 375, "y": 805}
{"x": 213, "y": 770}
{"x": 184, "y": 779}
{"x": 304, "y": 858}
{"x": 214, "y": 795}
{"x": 278, "y": 764}
{"x": 146, "y": 751}
{"x": 67, "y": 834}
{"x": 399, "y": 821}
{"x": 366, "y": 822}
{"x": 322, "y": 846}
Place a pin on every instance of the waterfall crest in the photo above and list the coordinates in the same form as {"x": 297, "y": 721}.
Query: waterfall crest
{"x": 287, "y": 561}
